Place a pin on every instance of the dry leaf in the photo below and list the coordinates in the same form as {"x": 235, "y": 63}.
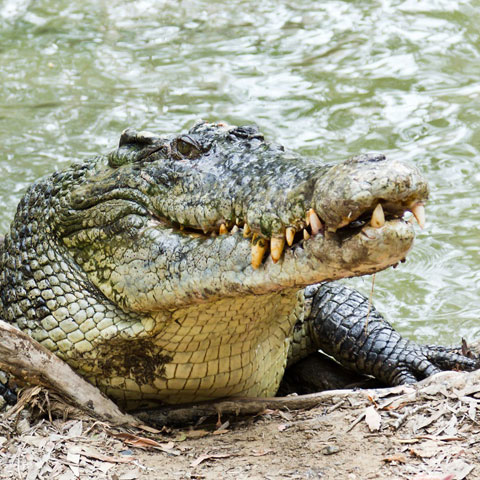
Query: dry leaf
{"x": 427, "y": 449}
{"x": 372, "y": 418}
{"x": 213, "y": 456}
{"x": 149, "y": 429}
{"x": 73, "y": 456}
{"x": 284, "y": 415}
{"x": 398, "y": 390}
{"x": 143, "y": 442}
{"x": 34, "y": 440}
{"x": 67, "y": 475}
{"x": 76, "y": 429}
{"x": 461, "y": 469}
{"x": 268, "y": 411}
{"x": 91, "y": 453}
{"x": 75, "y": 470}
{"x": 137, "y": 441}
{"x": 104, "y": 467}
{"x": 422, "y": 421}
{"x": 398, "y": 458}
{"x": 224, "y": 425}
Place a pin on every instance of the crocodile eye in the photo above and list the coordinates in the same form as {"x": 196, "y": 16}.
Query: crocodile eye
{"x": 187, "y": 148}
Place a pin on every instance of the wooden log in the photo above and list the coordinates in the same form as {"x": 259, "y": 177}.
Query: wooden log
{"x": 450, "y": 383}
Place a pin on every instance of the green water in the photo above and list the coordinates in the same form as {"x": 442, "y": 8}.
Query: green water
{"x": 327, "y": 78}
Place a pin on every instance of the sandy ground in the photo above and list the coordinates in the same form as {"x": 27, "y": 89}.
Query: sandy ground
{"x": 428, "y": 431}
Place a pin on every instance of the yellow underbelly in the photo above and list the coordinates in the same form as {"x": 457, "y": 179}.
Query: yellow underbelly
{"x": 232, "y": 347}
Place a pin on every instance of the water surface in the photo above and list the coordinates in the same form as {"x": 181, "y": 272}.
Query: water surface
{"x": 329, "y": 79}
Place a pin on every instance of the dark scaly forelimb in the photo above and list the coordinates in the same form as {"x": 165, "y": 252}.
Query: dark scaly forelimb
{"x": 342, "y": 323}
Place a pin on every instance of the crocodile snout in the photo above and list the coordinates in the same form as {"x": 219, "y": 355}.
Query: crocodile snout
{"x": 367, "y": 190}
{"x": 369, "y": 186}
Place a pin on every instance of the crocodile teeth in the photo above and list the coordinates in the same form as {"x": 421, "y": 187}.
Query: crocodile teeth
{"x": 246, "y": 231}
{"x": 276, "y": 248}
{"x": 223, "y": 229}
{"x": 378, "y": 217}
{"x": 418, "y": 211}
{"x": 259, "y": 247}
{"x": 314, "y": 221}
{"x": 306, "y": 235}
{"x": 290, "y": 235}
{"x": 234, "y": 230}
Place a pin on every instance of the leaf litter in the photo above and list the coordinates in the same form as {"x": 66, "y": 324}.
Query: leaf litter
{"x": 424, "y": 432}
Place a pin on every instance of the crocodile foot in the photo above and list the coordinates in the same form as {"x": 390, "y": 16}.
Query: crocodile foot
{"x": 344, "y": 325}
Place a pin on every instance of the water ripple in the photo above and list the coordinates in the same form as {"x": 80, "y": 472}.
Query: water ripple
{"x": 329, "y": 79}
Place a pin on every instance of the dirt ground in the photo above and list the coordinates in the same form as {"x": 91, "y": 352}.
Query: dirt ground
{"x": 427, "y": 431}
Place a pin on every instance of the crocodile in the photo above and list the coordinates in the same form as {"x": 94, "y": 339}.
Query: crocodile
{"x": 190, "y": 267}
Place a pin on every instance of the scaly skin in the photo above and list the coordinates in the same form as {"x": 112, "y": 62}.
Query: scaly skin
{"x": 117, "y": 265}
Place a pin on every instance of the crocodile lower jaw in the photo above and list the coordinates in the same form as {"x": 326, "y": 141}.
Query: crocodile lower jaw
{"x": 310, "y": 228}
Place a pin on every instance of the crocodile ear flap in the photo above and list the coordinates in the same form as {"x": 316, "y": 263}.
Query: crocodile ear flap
{"x": 134, "y": 147}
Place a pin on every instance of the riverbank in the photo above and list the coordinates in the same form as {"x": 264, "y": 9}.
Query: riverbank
{"x": 426, "y": 431}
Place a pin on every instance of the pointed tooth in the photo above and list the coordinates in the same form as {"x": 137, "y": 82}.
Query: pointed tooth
{"x": 418, "y": 211}
{"x": 223, "y": 229}
{"x": 234, "y": 230}
{"x": 378, "y": 217}
{"x": 246, "y": 231}
{"x": 315, "y": 222}
{"x": 307, "y": 219}
{"x": 306, "y": 235}
{"x": 259, "y": 247}
{"x": 276, "y": 248}
{"x": 290, "y": 235}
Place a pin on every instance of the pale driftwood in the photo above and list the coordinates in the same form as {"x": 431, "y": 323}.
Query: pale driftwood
{"x": 23, "y": 357}
{"x": 450, "y": 383}
{"x": 189, "y": 413}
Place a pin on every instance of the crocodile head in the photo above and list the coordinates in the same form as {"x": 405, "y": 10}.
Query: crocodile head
{"x": 219, "y": 212}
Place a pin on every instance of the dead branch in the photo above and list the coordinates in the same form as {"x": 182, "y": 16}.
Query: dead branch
{"x": 189, "y": 413}
{"x": 450, "y": 383}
